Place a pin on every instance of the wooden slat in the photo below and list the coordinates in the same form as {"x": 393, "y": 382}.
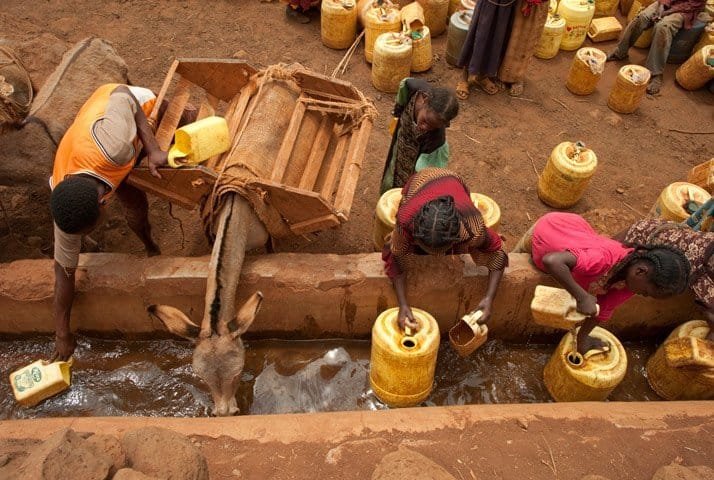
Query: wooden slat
{"x": 315, "y": 225}
{"x": 184, "y": 186}
{"x": 321, "y": 83}
{"x": 296, "y": 206}
{"x": 208, "y": 107}
{"x": 234, "y": 117}
{"x": 153, "y": 117}
{"x": 286, "y": 148}
{"x": 221, "y": 77}
{"x": 317, "y": 154}
{"x": 334, "y": 166}
{"x": 172, "y": 115}
{"x": 353, "y": 166}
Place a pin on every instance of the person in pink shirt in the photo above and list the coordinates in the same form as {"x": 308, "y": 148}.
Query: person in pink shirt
{"x": 600, "y": 271}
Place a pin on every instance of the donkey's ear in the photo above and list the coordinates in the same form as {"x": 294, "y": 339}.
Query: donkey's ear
{"x": 246, "y": 315}
{"x": 175, "y": 321}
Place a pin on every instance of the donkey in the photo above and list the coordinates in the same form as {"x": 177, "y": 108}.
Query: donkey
{"x": 219, "y": 355}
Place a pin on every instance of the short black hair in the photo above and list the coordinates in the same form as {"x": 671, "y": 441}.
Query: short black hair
{"x": 74, "y": 204}
{"x": 438, "y": 224}
{"x": 444, "y": 103}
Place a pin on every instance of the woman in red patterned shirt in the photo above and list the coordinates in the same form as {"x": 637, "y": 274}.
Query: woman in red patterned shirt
{"x": 437, "y": 217}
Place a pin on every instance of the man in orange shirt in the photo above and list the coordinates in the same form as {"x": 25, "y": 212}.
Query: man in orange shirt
{"x": 93, "y": 158}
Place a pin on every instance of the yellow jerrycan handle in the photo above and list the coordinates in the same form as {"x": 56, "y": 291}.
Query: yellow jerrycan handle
{"x": 573, "y": 315}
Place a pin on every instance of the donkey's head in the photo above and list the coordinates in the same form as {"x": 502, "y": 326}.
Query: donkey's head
{"x": 219, "y": 355}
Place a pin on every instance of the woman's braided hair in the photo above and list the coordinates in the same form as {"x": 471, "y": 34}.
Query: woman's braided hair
{"x": 438, "y": 223}
{"x": 671, "y": 269}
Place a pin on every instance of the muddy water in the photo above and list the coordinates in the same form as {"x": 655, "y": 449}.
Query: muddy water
{"x": 154, "y": 378}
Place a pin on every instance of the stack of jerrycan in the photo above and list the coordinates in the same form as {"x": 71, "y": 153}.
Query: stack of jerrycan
{"x": 682, "y": 368}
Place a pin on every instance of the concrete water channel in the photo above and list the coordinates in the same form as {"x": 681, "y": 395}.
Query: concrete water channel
{"x": 304, "y": 388}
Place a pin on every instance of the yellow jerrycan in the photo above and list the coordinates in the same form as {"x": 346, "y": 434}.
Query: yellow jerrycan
{"x": 671, "y": 203}
{"x": 549, "y": 42}
{"x": 40, "y": 380}
{"x": 693, "y": 379}
{"x": 436, "y": 14}
{"x": 703, "y": 176}
{"x": 402, "y": 365}
{"x": 585, "y": 71}
{"x": 421, "y": 50}
{"x": 566, "y": 175}
{"x": 379, "y": 20}
{"x": 199, "y": 141}
{"x": 697, "y": 71}
{"x": 629, "y": 89}
{"x": 467, "y": 334}
{"x": 571, "y": 377}
{"x": 391, "y": 61}
{"x": 577, "y": 15}
{"x": 385, "y": 216}
{"x": 338, "y": 23}
{"x": 490, "y": 211}
{"x": 555, "y": 308}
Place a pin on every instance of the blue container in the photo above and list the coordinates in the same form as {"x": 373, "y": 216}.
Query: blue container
{"x": 684, "y": 41}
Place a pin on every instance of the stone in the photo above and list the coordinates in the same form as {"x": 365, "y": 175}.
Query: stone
{"x": 620, "y": 190}
{"x": 613, "y": 119}
{"x": 87, "y": 65}
{"x": 131, "y": 474}
{"x": 406, "y": 463}
{"x": 680, "y": 472}
{"x": 110, "y": 446}
{"x": 4, "y": 459}
{"x": 240, "y": 54}
{"x": 165, "y": 454}
{"x": 64, "y": 455}
{"x": 594, "y": 477}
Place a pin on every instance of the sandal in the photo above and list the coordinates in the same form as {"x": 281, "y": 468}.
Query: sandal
{"x": 462, "y": 90}
{"x": 487, "y": 86}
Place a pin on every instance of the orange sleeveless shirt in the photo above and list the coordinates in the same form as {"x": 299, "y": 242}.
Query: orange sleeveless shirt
{"x": 78, "y": 152}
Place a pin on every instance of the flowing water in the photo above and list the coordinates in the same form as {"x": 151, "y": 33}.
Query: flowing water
{"x": 154, "y": 378}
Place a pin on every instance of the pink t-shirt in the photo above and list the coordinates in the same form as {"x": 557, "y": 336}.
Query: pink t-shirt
{"x": 595, "y": 254}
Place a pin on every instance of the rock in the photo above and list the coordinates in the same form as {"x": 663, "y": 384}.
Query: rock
{"x": 131, "y": 474}
{"x": 680, "y": 472}
{"x": 595, "y": 114}
{"x": 165, "y": 454}
{"x": 523, "y": 423}
{"x": 405, "y": 463}
{"x": 594, "y": 477}
{"x": 334, "y": 455}
{"x": 109, "y": 446}
{"x": 620, "y": 190}
{"x": 34, "y": 241}
{"x": 4, "y": 459}
{"x": 240, "y": 54}
{"x": 613, "y": 119}
{"x": 27, "y": 157}
{"x": 64, "y": 455}
{"x": 87, "y": 65}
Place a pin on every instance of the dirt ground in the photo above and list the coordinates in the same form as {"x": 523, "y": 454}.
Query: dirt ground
{"x": 497, "y": 142}
{"x": 525, "y": 448}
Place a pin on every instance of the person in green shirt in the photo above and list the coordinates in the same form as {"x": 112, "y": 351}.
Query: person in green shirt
{"x": 422, "y": 114}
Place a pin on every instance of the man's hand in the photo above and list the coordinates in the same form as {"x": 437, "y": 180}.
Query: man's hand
{"x": 406, "y": 318}
{"x": 587, "y": 305}
{"x": 64, "y": 346}
{"x": 157, "y": 158}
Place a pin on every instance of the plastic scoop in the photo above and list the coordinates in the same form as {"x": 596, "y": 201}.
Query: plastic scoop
{"x": 468, "y": 335}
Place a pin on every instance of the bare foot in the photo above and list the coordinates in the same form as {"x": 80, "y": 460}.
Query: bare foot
{"x": 654, "y": 85}
{"x": 462, "y": 90}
